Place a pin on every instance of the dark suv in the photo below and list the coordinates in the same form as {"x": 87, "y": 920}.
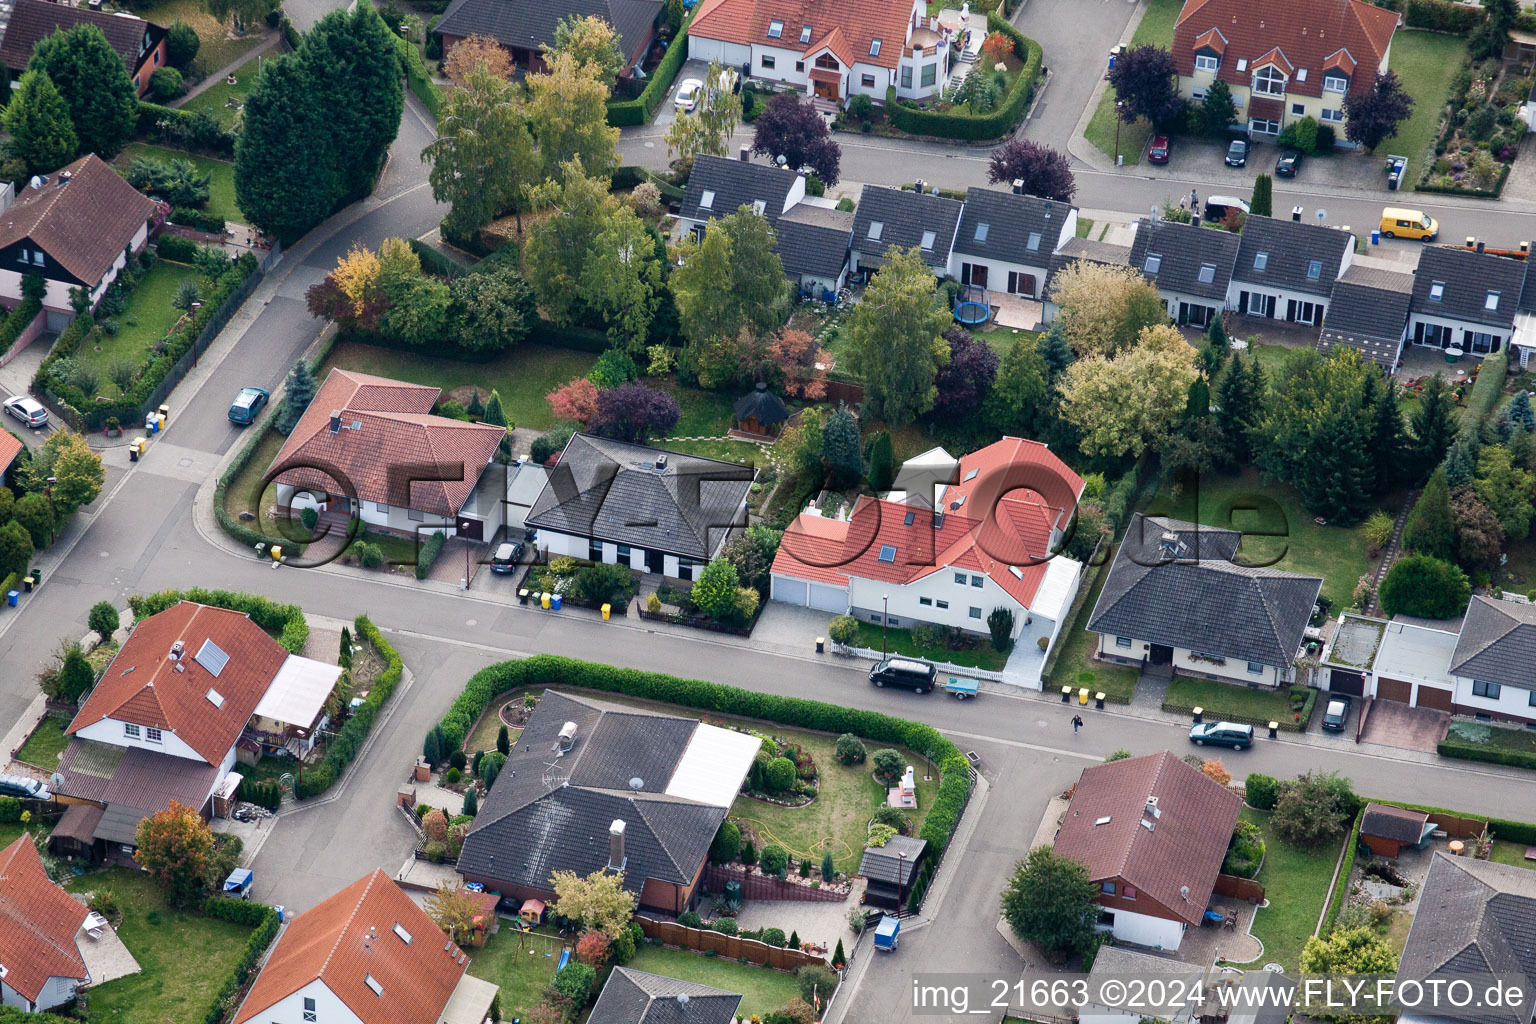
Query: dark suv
{"x": 908, "y": 672}
{"x": 1222, "y": 734}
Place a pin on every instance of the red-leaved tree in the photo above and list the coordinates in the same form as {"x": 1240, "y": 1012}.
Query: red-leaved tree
{"x": 799, "y": 363}
{"x": 1044, "y": 172}
{"x": 633, "y": 412}
{"x": 576, "y": 400}
{"x": 593, "y": 948}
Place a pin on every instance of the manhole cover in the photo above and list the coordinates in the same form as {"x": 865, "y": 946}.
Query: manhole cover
{"x": 184, "y": 462}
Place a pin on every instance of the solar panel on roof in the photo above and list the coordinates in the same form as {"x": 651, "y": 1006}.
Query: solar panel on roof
{"x": 212, "y": 657}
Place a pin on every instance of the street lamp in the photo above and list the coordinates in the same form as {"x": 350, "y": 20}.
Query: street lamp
{"x": 464, "y": 536}
{"x": 53, "y": 514}
{"x": 885, "y": 623}
{"x": 1119, "y": 115}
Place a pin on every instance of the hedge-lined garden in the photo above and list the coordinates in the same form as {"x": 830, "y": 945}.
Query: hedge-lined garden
{"x": 348, "y": 742}
{"x": 960, "y": 124}
{"x": 256, "y": 915}
{"x": 284, "y": 621}
{"x": 630, "y": 113}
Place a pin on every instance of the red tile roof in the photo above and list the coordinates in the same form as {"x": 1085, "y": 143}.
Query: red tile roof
{"x": 351, "y": 937}
{"x": 394, "y": 430}
{"x": 38, "y": 923}
{"x": 1212, "y": 39}
{"x": 1306, "y": 32}
{"x": 10, "y": 447}
{"x": 861, "y": 22}
{"x": 143, "y": 685}
{"x": 84, "y": 225}
{"x": 1186, "y": 846}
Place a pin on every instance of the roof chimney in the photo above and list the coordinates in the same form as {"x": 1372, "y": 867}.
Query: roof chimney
{"x": 177, "y": 649}
{"x": 616, "y": 845}
{"x": 65, "y": 177}
{"x": 1480, "y": 245}
{"x": 746, "y": 153}
{"x": 661, "y": 463}
{"x": 335, "y": 421}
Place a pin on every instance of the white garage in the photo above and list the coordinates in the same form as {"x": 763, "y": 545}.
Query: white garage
{"x": 820, "y": 596}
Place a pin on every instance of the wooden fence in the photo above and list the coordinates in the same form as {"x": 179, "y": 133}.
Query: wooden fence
{"x": 1239, "y": 888}
{"x": 766, "y": 887}
{"x": 841, "y": 392}
{"x": 732, "y": 946}
{"x": 1458, "y": 827}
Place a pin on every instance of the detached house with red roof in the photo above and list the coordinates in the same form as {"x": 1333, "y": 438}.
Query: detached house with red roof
{"x": 982, "y": 534}
{"x": 1283, "y": 61}
{"x": 830, "y": 49}
{"x": 367, "y": 955}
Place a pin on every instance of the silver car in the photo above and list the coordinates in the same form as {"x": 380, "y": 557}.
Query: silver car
{"x": 29, "y": 410}
{"x": 22, "y": 787}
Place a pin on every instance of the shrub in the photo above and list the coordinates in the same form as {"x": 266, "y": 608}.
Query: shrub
{"x": 10, "y": 809}
{"x": 453, "y": 775}
{"x": 104, "y": 902}
{"x": 165, "y": 83}
{"x": 724, "y": 925}
{"x": 779, "y": 776}
{"x": 894, "y": 817}
{"x": 817, "y": 982}
{"x": 726, "y": 845}
{"x": 574, "y": 982}
{"x": 181, "y": 44}
{"x": 1245, "y": 852}
{"x": 1312, "y": 809}
{"x": 428, "y": 554}
{"x": 774, "y": 859}
{"x": 176, "y": 248}
{"x": 774, "y": 937}
{"x": 889, "y": 765}
{"x": 1261, "y": 792}
{"x": 849, "y": 749}
{"x": 368, "y": 554}
{"x": 843, "y": 630}
{"x": 1425, "y": 586}
{"x": 690, "y": 919}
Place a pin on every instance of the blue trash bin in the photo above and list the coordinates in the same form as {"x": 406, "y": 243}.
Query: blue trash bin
{"x": 555, "y": 602}
{"x": 1376, "y": 237}
{"x": 11, "y": 598}
{"x": 280, "y": 909}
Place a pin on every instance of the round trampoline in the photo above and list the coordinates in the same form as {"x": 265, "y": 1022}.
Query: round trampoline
{"x": 971, "y": 307}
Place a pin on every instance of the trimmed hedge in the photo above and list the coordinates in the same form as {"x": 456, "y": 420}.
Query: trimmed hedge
{"x": 429, "y": 552}
{"x": 248, "y": 913}
{"x": 1486, "y": 390}
{"x": 16, "y": 321}
{"x": 434, "y": 262}
{"x": 1341, "y": 885}
{"x": 958, "y": 124}
{"x": 10, "y": 583}
{"x": 1442, "y": 16}
{"x": 348, "y": 743}
{"x": 186, "y": 129}
{"x": 635, "y": 112}
{"x": 198, "y": 220}
{"x": 1487, "y": 753}
{"x": 228, "y": 523}
{"x": 175, "y": 248}
{"x": 418, "y": 77}
{"x": 550, "y": 670}
{"x": 286, "y": 620}
{"x": 262, "y": 794}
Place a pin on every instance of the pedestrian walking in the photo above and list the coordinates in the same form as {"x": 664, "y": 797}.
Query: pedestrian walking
{"x": 1077, "y": 723}
{"x": 1194, "y": 200}
{"x": 1183, "y": 202}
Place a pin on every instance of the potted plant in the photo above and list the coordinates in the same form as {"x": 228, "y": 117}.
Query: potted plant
{"x": 112, "y": 428}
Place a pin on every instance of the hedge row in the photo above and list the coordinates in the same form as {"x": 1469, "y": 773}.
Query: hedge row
{"x": 434, "y": 262}
{"x": 1284, "y": 724}
{"x": 1443, "y": 16}
{"x": 228, "y": 523}
{"x": 286, "y": 620}
{"x": 428, "y": 553}
{"x": 960, "y": 124}
{"x": 1483, "y": 752}
{"x": 635, "y": 112}
{"x": 176, "y": 249}
{"x": 1340, "y": 894}
{"x": 262, "y": 794}
{"x": 1521, "y": 833}
{"x": 1486, "y": 390}
{"x": 627, "y": 176}
{"x": 244, "y": 912}
{"x": 197, "y": 220}
{"x": 10, "y": 583}
{"x": 348, "y": 743}
{"x": 187, "y": 129}
{"x": 550, "y": 670}
{"x": 418, "y": 77}
{"x": 16, "y": 321}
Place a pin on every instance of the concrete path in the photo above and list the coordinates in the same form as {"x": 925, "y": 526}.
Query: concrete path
{"x": 271, "y": 40}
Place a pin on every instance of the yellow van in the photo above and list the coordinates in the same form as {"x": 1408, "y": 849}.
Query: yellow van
{"x": 1401, "y": 223}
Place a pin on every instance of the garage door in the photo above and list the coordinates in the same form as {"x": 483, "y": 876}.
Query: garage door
{"x": 1347, "y": 682}
{"x": 789, "y": 591}
{"x": 828, "y": 599}
{"x": 1394, "y": 689}
{"x": 1430, "y": 697}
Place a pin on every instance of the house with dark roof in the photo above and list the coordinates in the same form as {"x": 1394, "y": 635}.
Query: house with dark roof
{"x": 1106, "y": 254}
{"x": 1474, "y": 918}
{"x": 1176, "y": 595}
{"x": 523, "y": 28}
{"x": 1492, "y": 662}
{"x": 635, "y": 997}
{"x": 1191, "y": 267}
{"x": 141, "y": 44}
{"x": 1465, "y": 299}
{"x": 813, "y": 246}
{"x": 1285, "y": 61}
{"x": 1006, "y": 240}
{"x": 1387, "y": 829}
{"x": 593, "y": 786}
{"x": 1152, "y": 832}
{"x": 169, "y": 716}
{"x": 1120, "y": 962}
{"x": 830, "y": 49}
{"x": 1369, "y": 312}
{"x": 371, "y": 955}
{"x": 74, "y": 230}
{"x": 889, "y": 871}
{"x": 907, "y": 219}
{"x": 1286, "y": 270}
{"x": 654, "y": 511}
{"x": 369, "y": 448}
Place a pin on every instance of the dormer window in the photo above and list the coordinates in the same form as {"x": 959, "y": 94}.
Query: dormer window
{"x": 874, "y": 47}
{"x": 775, "y": 29}
{"x": 1436, "y": 291}
{"x": 1268, "y": 81}
{"x": 1315, "y": 270}
{"x": 1491, "y": 303}
{"x": 928, "y": 240}
{"x": 1207, "y": 62}
{"x": 1260, "y": 260}
{"x": 1335, "y": 83}
{"x": 152, "y": 734}
{"x": 805, "y": 34}
{"x": 1207, "y": 273}
{"x": 130, "y": 730}
{"x": 1154, "y": 263}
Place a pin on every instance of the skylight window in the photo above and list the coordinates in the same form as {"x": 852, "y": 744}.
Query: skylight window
{"x": 1260, "y": 260}
{"x": 981, "y": 232}
{"x": 212, "y": 658}
{"x": 1154, "y": 263}
{"x": 215, "y": 698}
{"x": 928, "y": 240}
{"x": 1492, "y": 302}
{"x": 707, "y": 200}
{"x": 875, "y": 229}
{"x": 1436, "y": 291}
{"x": 888, "y": 553}
{"x": 373, "y": 983}
{"x": 1207, "y": 273}
{"x": 758, "y": 207}
{"x": 405, "y": 936}
{"x": 805, "y": 33}
{"x": 1034, "y": 241}
{"x": 775, "y": 29}
{"x": 908, "y": 518}
{"x": 970, "y": 476}
{"x": 1103, "y": 821}
{"x": 874, "y": 47}
{"x": 1314, "y": 270}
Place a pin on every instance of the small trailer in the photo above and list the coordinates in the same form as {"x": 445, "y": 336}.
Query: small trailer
{"x": 887, "y": 933}
{"x": 238, "y": 884}
{"x": 961, "y": 687}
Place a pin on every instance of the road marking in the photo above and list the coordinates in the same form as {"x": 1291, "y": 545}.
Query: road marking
{"x": 1097, "y": 758}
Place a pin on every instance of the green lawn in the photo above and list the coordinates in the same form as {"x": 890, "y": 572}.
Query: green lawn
{"x": 1074, "y": 659}
{"x": 1426, "y": 62}
{"x": 899, "y": 641}
{"x": 762, "y": 990}
{"x": 1278, "y": 531}
{"x": 215, "y": 99}
{"x": 1084, "y": 227}
{"x": 1296, "y": 885}
{"x": 45, "y": 744}
{"x": 1156, "y": 28}
{"x": 1229, "y": 700}
{"x": 11, "y": 831}
{"x": 217, "y": 50}
{"x": 519, "y": 964}
{"x": 149, "y": 317}
{"x": 1001, "y": 339}
{"x": 221, "y": 198}
{"x": 1512, "y": 854}
{"x": 1504, "y": 738}
{"x": 167, "y": 943}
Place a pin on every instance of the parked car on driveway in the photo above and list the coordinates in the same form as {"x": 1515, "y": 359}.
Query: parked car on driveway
{"x": 22, "y": 787}
{"x": 1222, "y": 734}
{"x": 29, "y": 410}
{"x": 506, "y": 558}
{"x": 688, "y": 95}
{"x": 1288, "y": 164}
{"x": 247, "y": 405}
{"x": 1237, "y": 153}
{"x": 1157, "y": 151}
{"x": 1336, "y": 715}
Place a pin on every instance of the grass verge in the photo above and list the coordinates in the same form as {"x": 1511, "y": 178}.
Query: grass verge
{"x": 1075, "y": 665}
{"x": 1156, "y": 29}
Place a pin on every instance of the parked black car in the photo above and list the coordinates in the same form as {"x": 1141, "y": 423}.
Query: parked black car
{"x": 507, "y": 558}
{"x": 1237, "y": 153}
{"x": 1222, "y": 734}
{"x": 1288, "y": 164}
{"x": 1336, "y": 715}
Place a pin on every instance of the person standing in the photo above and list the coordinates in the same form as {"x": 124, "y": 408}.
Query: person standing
{"x": 1077, "y": 723}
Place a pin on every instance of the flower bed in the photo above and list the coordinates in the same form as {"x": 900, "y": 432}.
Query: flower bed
{"x": 1480, "y": 131}
{"x": 583, "y": 583}
{"x": 962, "y": 123}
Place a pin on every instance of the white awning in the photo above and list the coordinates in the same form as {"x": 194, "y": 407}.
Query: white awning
{"x": 298, "y": 691}
{"x": 470, "y": 1002}
{"x": 713, "y": 765}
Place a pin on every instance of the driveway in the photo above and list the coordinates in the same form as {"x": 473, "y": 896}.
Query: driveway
{"x": 667, "y": 113}
{"x": 1205, "y": 160}
{"x": 1397, "y": 725}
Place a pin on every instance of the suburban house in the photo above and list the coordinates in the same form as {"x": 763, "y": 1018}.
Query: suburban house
{"x": 889, "y": 871}
{"x": 75, "y": 229}
{"x": 1152, "y": 832}
{"x": 1387, "y": 829}
{"x": 1107, "y": 254}
{"x": 635, "y": 997}
{"x": 1191, "y": 267}
{"x": 1286, "y": 270}
{"x": 1474, "y": 918}
{"x": 369, "y": 448}
{"x": 525, "y": 28}
{"x": 593, "y": 786}
{"x": 832, "y": 50}
{"x": 907, "y": 220}
{"x": 168, "y": 719}
{"x": 1491, "y": 664}
{"x": 367, "y": 955}
{"x": 1176, "y": 596}
{"x": 1369, "y": 312}
{"x": 654, "y": 511}
{"x": 10, "y": 447}
{"x": 140, "y": 43}
{"x": 1464, "y": 299}
{"x": 1119, "y": 962}
{"x": 811, "y": 233}
{"x": 1006, "y": 240}
{"x": 41, "y": 933}
{"x": 1283, "y": 62}
{"x": 988, "y": 538}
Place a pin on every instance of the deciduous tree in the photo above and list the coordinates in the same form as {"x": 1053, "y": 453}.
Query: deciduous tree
{"x": 1104, "y": 308}
{"x": 599, "y": 900}
{"x": 895, "y": 341}
{"x": 590, "y": 42}
{"x": 484, "y": 154}
{"x": 1019, "y": 390}
{"x": 1051, "y": 902}
{"x": 174, "y": 846}
{"x": 634, "y": 412}
{"x": 1120, "y": 404}
{"x": 1312, "y": 809}
{"x": 709, "y": 126}
{"x": 94, "y": 82}
{"x": 568, "y": 114}
{"x": 574, "y": 400}
{"x": 966, "y": 380}
{"x": 241, "y": 12}
{"x": 35, "y": 512}
{"x": 1145, "y": 80}
{"x": 104, "y": 619}
{"x": 795, "y": 130}
{"x": 1506, "y": 489}
{"x": 474, "y": 52}
{"x": 1479, "y": 534}
{"x": 715, "y": 590}
{"x": 730, "y": 281}
{"x": 1044, "y": 172}
{"x": 66, "y": 457}
{"x": 38, "y": 120}
{"x": 453, "y": 909}
{"x": 15, "y": 548}
{"x": 1349, "y": 951}
{"x": 491, "y": 309}
{"x": 1373, "y": 116}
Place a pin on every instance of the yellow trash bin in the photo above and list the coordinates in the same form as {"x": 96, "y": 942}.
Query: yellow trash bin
{"x": 276, "y": 551}
{"x": 607, "y": 609}
{"x": 544, "y": 601}
{"x": 1082, "y": 695}
{"x": 162, "y": 418}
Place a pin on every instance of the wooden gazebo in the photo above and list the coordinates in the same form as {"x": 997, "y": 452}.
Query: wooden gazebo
{"x": 760, "y": 414}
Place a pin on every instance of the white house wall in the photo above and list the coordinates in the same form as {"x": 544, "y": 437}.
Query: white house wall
{"x": 731, "y": 55}
{"x": 110, "y": 731}
{"x": 328, "y": 1008}
{"x": 1232, "y": 671}
{"x": 1144, "y": 930}
{"x": 1461, "y": 329}
{"x": 1513, "y": 701}
{"x": 865, "y": 598}
{"x": 998, "y": 270}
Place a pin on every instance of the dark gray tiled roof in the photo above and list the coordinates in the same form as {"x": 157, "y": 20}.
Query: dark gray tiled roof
{"x": 1289, "y": 249}
{"x": 884, "y": 863}
{"x": 1466, "y": 280}
{"x": 904, "y": 217}
{"x": 814, "y": 240}
{"x": 762, "y": 405}
{"x": 998, "y": 225}
{"x": 1475, "y": 917}
{"x": 735, "y": 183}
{"x": 1396, "y": 823}
{"x": 611, "y": 490}
{"x": 1497, "y": 643}
{"x": 635, "y": 997}
{"x": 1187, "y": 592}
{"x": 1367, "y": 318}
{"x": 1185, "y": 259}
{"x": 531, "y": 23}
{"x": 549, "y": 813}
{"x": 1074, "y": 249}
{"x": 1528, "y": 294}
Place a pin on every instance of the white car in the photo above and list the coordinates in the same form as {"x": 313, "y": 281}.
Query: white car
{"x": 29, "y": 410}
{"x": 688, "y": 95}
